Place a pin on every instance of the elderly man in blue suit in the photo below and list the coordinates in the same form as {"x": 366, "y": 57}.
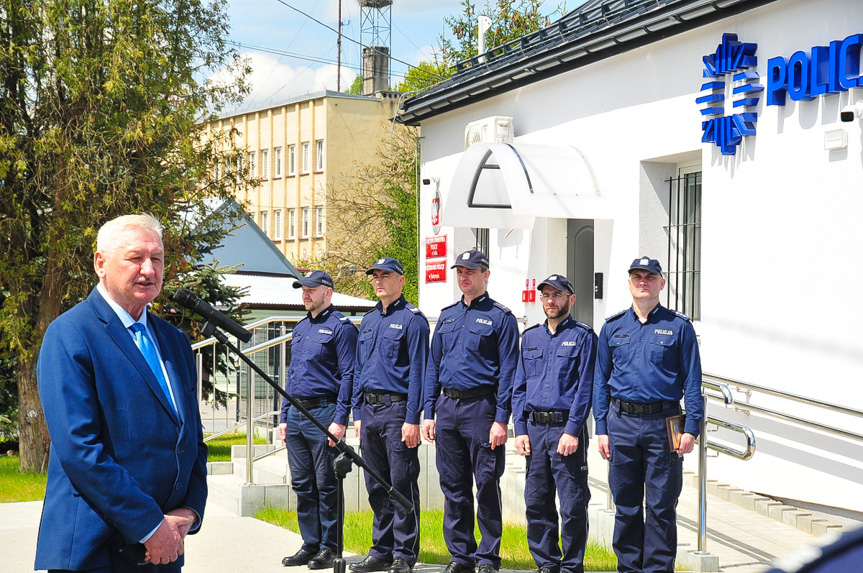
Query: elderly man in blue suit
{"x": 127, "y": 469}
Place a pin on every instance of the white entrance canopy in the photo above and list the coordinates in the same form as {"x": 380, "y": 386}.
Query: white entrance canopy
{"x": 506, "y": 186}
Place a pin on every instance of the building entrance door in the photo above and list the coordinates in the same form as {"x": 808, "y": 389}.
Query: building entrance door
{"x": 579, "y": 266}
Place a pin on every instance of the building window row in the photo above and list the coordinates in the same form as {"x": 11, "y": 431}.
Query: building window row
{"x": 306, "y": 228}
{"x": 277, "y": 166}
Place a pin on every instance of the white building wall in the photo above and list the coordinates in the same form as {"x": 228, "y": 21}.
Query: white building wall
{"x": 782, "y": 257}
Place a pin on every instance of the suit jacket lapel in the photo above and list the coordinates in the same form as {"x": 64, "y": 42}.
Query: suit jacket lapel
{"x": 120, "y": 335}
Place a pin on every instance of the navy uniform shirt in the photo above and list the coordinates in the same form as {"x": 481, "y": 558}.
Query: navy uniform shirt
{"x": 555, "y": 374}
{"x": 392, "y": 351}
{"x": 648, "y": 363}
{"x": 473, "y": 346}
{"x": 322, "y": 361}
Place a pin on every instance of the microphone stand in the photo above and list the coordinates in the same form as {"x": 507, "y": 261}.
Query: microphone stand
{"x": 343, "y": 462}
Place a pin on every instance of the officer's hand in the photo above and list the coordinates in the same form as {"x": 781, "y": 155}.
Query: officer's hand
{"x": 567, "y": 444}
{"x": 165, "y": 545}
{"x": 428, "y": 430}
{"x": 687, "y": 443}
{"x": 604, "y": 447}
{"x": 282, "y": 429}
{"x": 411, "y": 434}
{"x": 497, "y": 434}
{"x": 522, "y": 445}
{"x": 338, "y": 430}
{"x": 183, "y": 518}
{"x": 357, "y": 425}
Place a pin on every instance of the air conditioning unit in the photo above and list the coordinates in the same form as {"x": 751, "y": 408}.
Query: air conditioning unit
{"x": 495, "y": 129}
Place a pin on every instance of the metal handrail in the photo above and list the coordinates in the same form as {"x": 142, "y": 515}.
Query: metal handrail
{"x": 745, "y": 454}
{"x": 749, "y": 388}
{"x": 215, "y": 435}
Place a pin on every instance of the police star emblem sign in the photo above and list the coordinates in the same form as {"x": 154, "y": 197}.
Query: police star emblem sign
{"x": 732, "y": 65}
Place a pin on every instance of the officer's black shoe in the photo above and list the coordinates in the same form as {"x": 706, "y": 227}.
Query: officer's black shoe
{"x": 323, "y": 560}
{"x": 547, "y": 570}
{"x": 486, "y": 568}
{"x": 457, "y": 567}
{"x": 399, "y": 566}
{"x": 301, "y": 557}
{"x": 370, "y": 564}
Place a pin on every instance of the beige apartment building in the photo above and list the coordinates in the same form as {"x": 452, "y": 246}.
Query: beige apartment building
{"x": 302, "y": 150}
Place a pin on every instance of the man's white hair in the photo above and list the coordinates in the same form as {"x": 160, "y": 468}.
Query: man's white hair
{"x": 106, "y": 239}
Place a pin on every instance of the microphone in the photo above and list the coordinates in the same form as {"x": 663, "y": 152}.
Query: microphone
{"x": 188, "y": 299}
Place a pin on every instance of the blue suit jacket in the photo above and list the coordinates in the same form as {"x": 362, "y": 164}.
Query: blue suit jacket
{"x": 120, "y": 457}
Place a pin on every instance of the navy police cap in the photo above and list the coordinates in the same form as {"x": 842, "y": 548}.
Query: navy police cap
{"x": 471, "y": 259}
{"x": 387, "y": 264}
{"x": 313, "y": 279}
{"x": 558, "y": 282}
{"x": 646, "y": 264}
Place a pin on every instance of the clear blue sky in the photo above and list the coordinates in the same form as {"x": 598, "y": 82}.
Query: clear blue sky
{"x": 308, "y": 52}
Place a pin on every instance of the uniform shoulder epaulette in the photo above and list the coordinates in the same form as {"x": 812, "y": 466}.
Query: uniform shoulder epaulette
{"x": 371, "y": 310}
{"x": 450, "y": 306}
{"x": 416, "y": 311}
{"x": 582, "y": 325}
{"x": 679, "y": 315}
{"x": 502, "y": 307}
{"x": 616, "y": 315}
{"x": 344, "y": 319}
{"x": 530, "y": 328}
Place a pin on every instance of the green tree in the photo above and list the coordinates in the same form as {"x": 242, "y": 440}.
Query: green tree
{"x": 102, "y": 110}
{"x": 357, "y": 86}
{"x": 510, "y": 20}
{"x": 376, "y": 217}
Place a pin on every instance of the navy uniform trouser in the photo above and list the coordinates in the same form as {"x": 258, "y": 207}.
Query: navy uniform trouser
{"x": 547, "y": 472}
{"x": 395, "y": 531}
{"x": 643, "y": 468}
{"x": 464, "y": 454}
{"x": 313, "y": 478}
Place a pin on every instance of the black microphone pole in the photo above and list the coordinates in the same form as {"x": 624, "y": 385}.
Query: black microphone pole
{"x": 343, "y": 460}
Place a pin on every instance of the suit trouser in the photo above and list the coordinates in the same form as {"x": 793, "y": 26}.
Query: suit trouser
{"x": 464, "y": 454}
{"x": 313, "y": 478}
{"x": 395, "y": 532}
{"x": 549, "y": 472}
{"x": 643, "y": 467}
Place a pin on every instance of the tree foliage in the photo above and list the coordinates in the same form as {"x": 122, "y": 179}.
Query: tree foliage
{"x": 510, "y": 20}
{"x": 102, "y": 104}
{"x": 376, "y": 217}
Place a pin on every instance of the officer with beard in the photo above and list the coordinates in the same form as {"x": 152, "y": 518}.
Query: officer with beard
{"x": 551, "y": 400}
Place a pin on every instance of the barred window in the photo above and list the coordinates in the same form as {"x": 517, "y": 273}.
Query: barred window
{"x": 684, "y": 243}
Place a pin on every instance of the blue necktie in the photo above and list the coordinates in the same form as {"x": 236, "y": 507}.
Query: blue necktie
{"x": 148, "y": 349}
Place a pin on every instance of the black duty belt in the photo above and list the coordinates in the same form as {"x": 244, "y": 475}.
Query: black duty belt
{"x": 308, "y": 403}
{"x": 638, "y": 408}
{"x": 548, "y": 418}
{"x": 477, "y": 392}
{"x": 375, "y": 398}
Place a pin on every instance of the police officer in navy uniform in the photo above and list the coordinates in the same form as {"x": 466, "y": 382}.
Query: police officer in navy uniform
{"x": 646, "y": 360}
{"x": 550, "y": 403}
{"x": 474, "y": 354}
{"x": 320, "y": 378}
{"x": 392, "y": 352}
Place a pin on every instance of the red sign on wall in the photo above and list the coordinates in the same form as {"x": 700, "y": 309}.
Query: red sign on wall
{"x": 436, "y": 271}
{"x": 435, "y": 247}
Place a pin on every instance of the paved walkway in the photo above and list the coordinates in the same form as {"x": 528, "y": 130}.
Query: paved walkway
{"x": 745, "y": 541}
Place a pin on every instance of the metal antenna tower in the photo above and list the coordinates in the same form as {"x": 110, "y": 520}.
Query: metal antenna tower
{"x": 375, "y": 25}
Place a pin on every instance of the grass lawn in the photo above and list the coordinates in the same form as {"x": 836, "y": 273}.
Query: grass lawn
{"x": 220, "y": 448}
{"x": 15, "y": 486}
{"x": 513, "y": 552}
